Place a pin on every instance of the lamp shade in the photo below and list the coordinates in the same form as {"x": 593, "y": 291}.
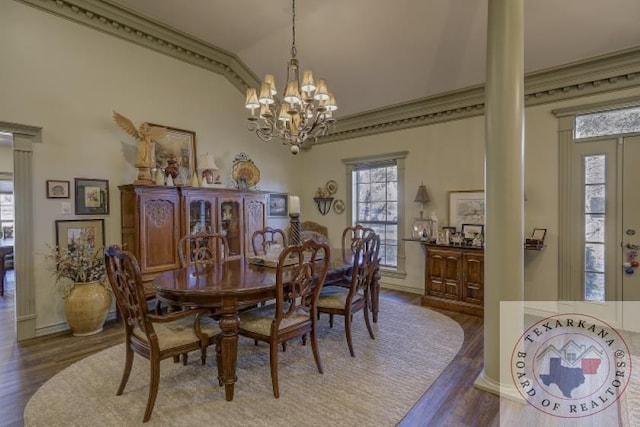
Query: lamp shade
{"x": 422, "y": 196}
{"x": 207, "y": 162}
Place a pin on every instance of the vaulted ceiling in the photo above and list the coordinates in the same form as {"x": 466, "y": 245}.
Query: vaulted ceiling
{"x": 377, "y": 53}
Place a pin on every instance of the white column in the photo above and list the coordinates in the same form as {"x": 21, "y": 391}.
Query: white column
{"x": 504, "y": 181}
{"x": 23, "y": 247}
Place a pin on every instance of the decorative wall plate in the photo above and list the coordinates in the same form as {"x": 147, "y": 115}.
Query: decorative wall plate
{"x": 245, "y": 172}
{"x": 338, "y": 206}
{"x": 332, "y": 187}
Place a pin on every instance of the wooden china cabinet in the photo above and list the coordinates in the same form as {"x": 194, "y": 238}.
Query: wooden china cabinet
{"x": 454, "y": 278}
{"x": 154, "y": 218}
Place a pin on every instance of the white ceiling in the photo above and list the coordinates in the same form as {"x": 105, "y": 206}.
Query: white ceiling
{"x": 376, "y": 53}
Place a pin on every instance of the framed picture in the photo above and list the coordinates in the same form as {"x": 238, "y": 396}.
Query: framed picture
{"x": 179, "y": 144}
{"x": 469, "y": 231}
{"x": 92, "y": 196}
{"x": 422, "y": 229}
{"x": 451, "y": 230}
{"x": 79, "y": 232}
{"x": 278, "y": 205}
{"x": 539, "y": 233}
{"x": 58, "y": 189}
{"x": 466, "y": 207}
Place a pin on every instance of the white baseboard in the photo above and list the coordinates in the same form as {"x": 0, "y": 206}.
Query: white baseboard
{"x": 509, "y": 392}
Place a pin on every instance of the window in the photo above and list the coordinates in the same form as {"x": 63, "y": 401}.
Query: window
{"x": 376, "y": 206}
{"x": 610, "y": 122}
{"x": 6, "y": 211}
{"x": 375, "y": 194}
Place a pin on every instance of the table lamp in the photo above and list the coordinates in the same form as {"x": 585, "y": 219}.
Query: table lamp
{"x": 208, "y": 168}
{"x": 422, "y": 197}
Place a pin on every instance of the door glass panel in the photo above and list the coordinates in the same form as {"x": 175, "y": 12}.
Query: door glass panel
{"x": 200, "y": 216}
{"x": 230, "y": 226}
{"x": 594, "y": 230}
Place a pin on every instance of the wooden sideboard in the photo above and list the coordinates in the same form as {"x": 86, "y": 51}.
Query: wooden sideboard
{"x": 454, "y": 278}
{"x": 154, "y": 218}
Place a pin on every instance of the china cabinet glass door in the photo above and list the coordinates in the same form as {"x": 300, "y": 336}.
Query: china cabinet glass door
{"x": 231, "y": 225}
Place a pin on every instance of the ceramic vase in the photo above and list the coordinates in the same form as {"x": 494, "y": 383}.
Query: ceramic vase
{"x": 86, "y": 307}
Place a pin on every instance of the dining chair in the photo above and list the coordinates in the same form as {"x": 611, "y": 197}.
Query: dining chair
{"x": 294, "y": 312}
{"x": 313, "y": 230}
{"x": 347, "y": 300}
{"x": 350, "y": 235}
{"x": 262, "y": 239}
{"x": 203, "y": 248}
{"x": 154, "y": 337}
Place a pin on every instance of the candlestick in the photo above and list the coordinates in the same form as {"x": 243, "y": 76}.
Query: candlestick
{"x": 294, "y": 205}
{"x": 294, "y": 231}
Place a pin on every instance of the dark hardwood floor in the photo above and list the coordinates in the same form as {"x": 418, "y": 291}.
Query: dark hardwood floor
{"x": 24, "y": 367}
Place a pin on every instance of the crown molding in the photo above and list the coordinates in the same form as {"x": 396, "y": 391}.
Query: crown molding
{"x": 123, "y": 23}
{"x": 606, "y": 73}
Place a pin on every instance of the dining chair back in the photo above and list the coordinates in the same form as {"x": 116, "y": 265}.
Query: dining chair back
{"x": 262, "y": 239}
{"x": 153, "y": 336}
{"x": 314, "y": 231}
{"x": 294, "y": 312}
{"x": 350, "y": 235}
{"x": 345, "y": 299}
{"x": 203, "y": 248}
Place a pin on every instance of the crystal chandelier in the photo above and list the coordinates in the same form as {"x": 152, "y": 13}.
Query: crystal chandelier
{"x": 305, "y": 110}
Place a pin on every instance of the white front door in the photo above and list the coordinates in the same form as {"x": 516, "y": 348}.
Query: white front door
{"x": 630, "y": 232}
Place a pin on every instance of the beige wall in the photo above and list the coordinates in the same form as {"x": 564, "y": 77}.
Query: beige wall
{"x": 67, "y": 79}
{"x": 450, "y": 156}
{"x": 6, "y": 159}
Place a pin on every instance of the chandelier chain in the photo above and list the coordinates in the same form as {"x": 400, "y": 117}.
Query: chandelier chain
{"x": 293, "y": 29}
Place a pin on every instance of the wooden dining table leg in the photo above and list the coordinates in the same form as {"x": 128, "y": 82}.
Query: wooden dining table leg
{"x": 229, "y": 323}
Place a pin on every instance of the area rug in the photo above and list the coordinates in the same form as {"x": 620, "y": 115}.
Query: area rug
{"x": 377, "y": 387}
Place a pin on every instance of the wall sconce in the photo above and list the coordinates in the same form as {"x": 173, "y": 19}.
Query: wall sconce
{"x": 422, "y": 197}
{"x": 323, "y": 204}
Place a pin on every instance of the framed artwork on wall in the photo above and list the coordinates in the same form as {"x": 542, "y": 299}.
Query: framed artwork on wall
{"x": 278, "y": 205}
{"x": 178, "y": 144}
{"x": 92, "y": 196}
{"x": 79, "y": 232}
{"x": 466, "y": 207}
{"x": 58, "y": 189}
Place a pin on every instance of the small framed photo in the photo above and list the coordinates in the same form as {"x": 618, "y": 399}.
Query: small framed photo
{"x": 58, "y": 189}
{"x": 539, "y": 234}
{"x": 278, "y": 205}
{"x": 79, "y": 232}
{"x": 92, "y": 196}
{"x": 452, "y": 230}
{"x": 422, "y": 229}
{"x": 469, "y": 231}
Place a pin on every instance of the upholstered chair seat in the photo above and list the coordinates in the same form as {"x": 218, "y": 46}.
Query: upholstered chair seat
{"x": 336, "y": 297}
{"x": 179, "y": 332}
{"x": 259, "y": 320}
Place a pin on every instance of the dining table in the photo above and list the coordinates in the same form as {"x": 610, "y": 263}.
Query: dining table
{"x": 6, "y": 248}
{"x": 227, "y": 287}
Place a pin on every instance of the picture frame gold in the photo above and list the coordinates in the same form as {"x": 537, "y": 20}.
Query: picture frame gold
{"x": 181, "y": 145}
{"x": 89, "y": 232}
{"x": 91, "y": 196}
